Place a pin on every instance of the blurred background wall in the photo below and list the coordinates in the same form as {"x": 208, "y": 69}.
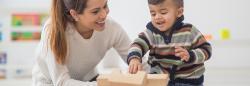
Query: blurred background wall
{"x": 225, "y": 23}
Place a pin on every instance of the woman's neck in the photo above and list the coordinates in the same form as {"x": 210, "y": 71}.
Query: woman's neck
{"x": 85, "y": 33}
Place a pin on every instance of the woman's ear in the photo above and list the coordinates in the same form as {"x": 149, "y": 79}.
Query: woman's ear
{"x": 180, "y": 11}
{"x": 74, "y": 14}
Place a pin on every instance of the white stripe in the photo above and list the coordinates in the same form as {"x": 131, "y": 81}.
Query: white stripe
{"x": 203, "y": 55}
{"x": 175, "y": 44}
{"x": 196, "y": 37}
{"x": 132, "y": 49}
{"x": 195, "y": 56}
{"x": 182, "y": 33}
{"x": 148, "y": 37}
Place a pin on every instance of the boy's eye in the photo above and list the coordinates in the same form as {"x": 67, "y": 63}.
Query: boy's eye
{"x": 153, "y": 14}
{"x": 164, "y": 12}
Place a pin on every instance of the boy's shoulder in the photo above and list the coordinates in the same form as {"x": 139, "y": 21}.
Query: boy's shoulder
{"x": 188, "y": 27}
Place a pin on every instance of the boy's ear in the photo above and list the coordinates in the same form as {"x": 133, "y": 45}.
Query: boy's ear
{"x": 74, "y": 14}
{"x": 180, "y": 11}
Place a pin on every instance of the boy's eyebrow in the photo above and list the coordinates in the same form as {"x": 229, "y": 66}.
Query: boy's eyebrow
{"x": 163, "y": 9}
{"x": 151, "y": 11}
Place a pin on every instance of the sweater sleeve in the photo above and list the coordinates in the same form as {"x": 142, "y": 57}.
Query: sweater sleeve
{"x": 121, "y": 41}
{"x": 201, "y": 49}
{"x": 139, "y": 47}
{"x": 47, "y": 72}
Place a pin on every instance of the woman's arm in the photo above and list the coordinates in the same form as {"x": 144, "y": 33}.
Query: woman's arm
{"x": 47, "y": 72}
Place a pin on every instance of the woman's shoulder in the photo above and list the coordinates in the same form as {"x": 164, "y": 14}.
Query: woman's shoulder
{"x": 112, "y": 25}
{"x": 45, "y": 28}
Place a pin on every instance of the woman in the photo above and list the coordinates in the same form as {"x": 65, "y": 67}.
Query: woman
{"x": 73, "y": 42}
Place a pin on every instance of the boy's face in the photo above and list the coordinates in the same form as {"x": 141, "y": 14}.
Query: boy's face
{"x": 164, "y": 15}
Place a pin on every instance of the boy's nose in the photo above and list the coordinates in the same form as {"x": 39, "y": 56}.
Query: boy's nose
{"x": 158, "y": 16}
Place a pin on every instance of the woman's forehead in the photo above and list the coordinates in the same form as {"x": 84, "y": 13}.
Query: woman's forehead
{"x": 92, "y": 4}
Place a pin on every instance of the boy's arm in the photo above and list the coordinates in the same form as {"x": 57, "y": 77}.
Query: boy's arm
{"x": 138, "y": 48}
{"x": 201, "y": 49}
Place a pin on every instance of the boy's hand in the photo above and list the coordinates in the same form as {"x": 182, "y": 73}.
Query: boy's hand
{"x": 182, "y": 53}
{"x": 135, "y": 65}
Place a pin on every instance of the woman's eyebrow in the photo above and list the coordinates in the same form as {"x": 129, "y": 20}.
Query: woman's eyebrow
{"x": 98, "y": 8}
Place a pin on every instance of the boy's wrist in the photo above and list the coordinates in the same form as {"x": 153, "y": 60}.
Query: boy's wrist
{"x": 135, "y": 57}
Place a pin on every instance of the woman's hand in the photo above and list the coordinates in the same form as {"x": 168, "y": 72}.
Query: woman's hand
{"x": 135, "y": 65}
{"x": 182, "y": 53}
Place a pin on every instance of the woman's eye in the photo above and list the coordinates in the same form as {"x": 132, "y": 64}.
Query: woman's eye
{"x": 95, "y": 12}
{"x": 106, "y": 6}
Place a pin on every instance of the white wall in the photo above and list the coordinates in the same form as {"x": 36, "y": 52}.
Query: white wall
{"x": 209, "y": 16}
{"x": 20, "y": 55}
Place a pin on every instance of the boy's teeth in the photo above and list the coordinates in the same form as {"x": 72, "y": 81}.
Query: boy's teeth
{"x": 159, "y": 23}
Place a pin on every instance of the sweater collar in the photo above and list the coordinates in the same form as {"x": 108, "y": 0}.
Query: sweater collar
{"x": 177, "y": 25}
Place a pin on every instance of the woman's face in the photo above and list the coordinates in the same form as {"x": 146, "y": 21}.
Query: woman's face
{"x": 93, "y": 16}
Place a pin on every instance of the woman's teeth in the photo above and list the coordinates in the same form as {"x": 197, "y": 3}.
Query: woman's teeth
{"x": 100, "y": 22}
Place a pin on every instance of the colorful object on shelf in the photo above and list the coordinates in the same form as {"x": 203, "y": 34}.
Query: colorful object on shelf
{"x": 28, "y": 19}
{"x": 2, "y": 74}
{"x": 208, "y": 37}
{"x": 225, "y": 34}
{"x": 24, "y": 36}
{"x": 1, "y": 37}
{"x": 43, "y": 18}
{"x": 3, "y": 58}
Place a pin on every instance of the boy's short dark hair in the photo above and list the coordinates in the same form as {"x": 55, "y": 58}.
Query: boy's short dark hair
{"x": 179, "y": 3}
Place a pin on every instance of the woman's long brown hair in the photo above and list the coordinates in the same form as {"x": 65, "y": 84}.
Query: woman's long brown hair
{"x": 60, "y": 16}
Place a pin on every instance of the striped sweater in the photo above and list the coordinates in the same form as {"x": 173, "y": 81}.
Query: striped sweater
{"x": 161, "y": 51}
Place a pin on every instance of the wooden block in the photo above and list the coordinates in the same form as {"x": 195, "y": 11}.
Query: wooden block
{"x": 102, "y": 80}
{"x": 138, "y": 79}
{"x": 157, "y": 79}
{"x": 116, "y": 72}
{"x": 116, "y": 78}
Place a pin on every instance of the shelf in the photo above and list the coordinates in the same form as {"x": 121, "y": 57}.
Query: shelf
{"x": 25, "y": 6}
{"x": 27, "y": 28}
{"x": 231, "y": 42}
{"x": 17, "y": 82}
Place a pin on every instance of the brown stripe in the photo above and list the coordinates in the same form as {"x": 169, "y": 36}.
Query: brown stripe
{"x": 189, "y": 68}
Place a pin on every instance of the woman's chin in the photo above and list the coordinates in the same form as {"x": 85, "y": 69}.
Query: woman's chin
{"x": 99, "y": 28}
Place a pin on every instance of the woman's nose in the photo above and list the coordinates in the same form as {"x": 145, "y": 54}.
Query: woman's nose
{"x": 104, "y": 13}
